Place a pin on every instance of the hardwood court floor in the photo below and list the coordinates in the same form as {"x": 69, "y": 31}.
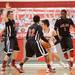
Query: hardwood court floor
{"x": 37, "y": 71}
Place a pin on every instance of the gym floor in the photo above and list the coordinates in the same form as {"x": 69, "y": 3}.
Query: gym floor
{"x": 38, "y": 70}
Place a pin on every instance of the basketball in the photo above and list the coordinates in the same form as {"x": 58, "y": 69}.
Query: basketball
{"x": 46, "y": 45}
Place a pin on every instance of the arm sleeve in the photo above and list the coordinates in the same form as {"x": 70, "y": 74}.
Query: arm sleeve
{"x": 41, "y": 34}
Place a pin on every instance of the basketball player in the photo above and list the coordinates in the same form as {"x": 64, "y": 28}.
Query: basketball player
{"x": 33, "y": 45}
{"x": 10, "y": 40}
{"x": 53, "y": 39}
{"x": 62, "y": 26}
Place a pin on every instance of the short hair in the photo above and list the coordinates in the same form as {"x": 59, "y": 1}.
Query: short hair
{"x": 36, "y": 18}
{"x": 64, "y": 11}
{"x": 9, "y": 12}
{"x": 46, "y": 21}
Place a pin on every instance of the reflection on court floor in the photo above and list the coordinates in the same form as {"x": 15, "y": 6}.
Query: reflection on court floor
{"x": 37, "y": 71}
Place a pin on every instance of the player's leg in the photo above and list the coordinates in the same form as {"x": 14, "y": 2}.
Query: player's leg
{"x": 6, "y": 58}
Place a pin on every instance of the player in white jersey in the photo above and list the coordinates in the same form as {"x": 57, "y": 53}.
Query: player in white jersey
{"x": 50, "y": 34}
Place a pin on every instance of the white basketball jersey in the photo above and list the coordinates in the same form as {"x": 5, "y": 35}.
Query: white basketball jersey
{"x": 50, "y": 36}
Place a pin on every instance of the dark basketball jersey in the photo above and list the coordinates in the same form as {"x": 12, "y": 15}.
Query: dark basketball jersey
{"x": 33, "y": 45}
{"x": 9, "y": 29}
{"x": 63, "y": 26}
{"x": 35, "y": 33}
{"x": 10, "y": 37}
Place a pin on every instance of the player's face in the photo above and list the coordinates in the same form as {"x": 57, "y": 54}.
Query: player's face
{"x": 44, "y": 26}
{"x": 10, "y": 16}
{"x": 63, "y": 14}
